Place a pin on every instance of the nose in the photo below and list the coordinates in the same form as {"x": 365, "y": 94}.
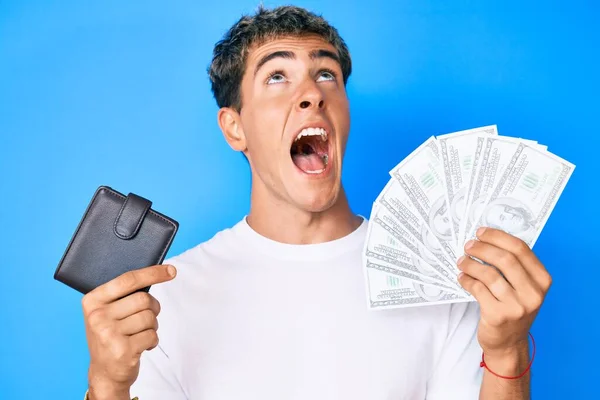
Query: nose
{"x": 312, "y": 97}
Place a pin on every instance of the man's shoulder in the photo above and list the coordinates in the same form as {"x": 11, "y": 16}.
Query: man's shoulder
{"x": 220, "y": 242}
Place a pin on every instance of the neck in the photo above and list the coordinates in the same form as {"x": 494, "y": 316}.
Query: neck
{"x": 284, "y": 223}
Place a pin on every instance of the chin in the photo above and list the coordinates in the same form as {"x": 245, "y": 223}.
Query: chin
{"x": 315, "y": 200}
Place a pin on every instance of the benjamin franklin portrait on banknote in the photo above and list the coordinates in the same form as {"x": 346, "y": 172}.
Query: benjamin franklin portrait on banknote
{"x": 457, "y": 208}
{"x": 512, "y": 216}
{"x": 429, "y": 293}
{"x": 439, "y": 221}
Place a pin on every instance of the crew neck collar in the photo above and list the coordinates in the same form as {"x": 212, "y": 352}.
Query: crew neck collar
{"x": 317, "y": 251}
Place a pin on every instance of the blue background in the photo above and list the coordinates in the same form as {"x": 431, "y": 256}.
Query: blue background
{"x": 116, "y": 93}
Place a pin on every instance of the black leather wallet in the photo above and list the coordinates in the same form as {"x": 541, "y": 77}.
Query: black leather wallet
{"x": 117, "y": 234}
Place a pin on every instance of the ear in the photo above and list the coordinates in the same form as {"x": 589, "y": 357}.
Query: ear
{"x": 231, "y": 126}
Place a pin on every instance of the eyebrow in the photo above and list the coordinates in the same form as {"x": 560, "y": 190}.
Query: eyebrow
{"x": 290, "y": 55}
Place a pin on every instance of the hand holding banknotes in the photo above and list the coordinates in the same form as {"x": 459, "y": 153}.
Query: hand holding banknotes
{"x": 435, "y": 201}
{"x": 456, "y": 223}
{"x": 120, "y": 324}
{"x": 510, "y": 290}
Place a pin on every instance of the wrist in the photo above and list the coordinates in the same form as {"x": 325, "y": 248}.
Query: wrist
{"x": 509, "y": 361}
{"x": 107, "y": 393}
{"x": 101, "y": 388}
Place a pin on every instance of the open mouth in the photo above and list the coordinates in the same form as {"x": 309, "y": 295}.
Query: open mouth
{"x": 310, "y": 150}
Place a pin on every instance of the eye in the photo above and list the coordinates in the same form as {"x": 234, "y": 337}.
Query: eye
{"x": 327, "y": 74}
{"x": 275, "y": 77}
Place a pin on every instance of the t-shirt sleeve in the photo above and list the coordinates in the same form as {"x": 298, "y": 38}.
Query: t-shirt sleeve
{"x": 457, "y": 374}
{"x": 156, "y": 380}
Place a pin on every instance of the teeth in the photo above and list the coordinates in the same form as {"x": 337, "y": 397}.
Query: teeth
{"x": 313, "y": 132}
{"x": 316, "y": 172}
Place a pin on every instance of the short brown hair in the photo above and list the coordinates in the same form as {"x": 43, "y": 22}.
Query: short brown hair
{"x": 230, "y": 53}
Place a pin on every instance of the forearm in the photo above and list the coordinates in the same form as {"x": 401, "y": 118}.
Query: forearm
{"x": 511, "y": 363}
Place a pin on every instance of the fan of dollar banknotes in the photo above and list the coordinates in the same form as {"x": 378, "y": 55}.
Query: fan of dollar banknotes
{"x": 439, "y": 195}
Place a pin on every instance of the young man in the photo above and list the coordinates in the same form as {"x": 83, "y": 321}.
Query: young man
{"x": 274, "y": 307}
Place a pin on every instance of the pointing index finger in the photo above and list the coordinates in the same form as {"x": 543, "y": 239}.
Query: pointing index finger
{"x": 132, "y": 281}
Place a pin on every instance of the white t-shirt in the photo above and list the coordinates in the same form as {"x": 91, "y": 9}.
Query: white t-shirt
{"x": 250, "y": 318}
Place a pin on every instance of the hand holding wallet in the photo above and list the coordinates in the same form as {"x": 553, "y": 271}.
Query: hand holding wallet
{"x": 117, "y": 234}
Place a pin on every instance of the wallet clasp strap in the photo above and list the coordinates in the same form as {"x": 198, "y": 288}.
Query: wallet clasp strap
{"x": 131, "y": 216}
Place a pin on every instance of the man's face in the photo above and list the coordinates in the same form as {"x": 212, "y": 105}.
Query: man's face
{"x": 295, "y": 120}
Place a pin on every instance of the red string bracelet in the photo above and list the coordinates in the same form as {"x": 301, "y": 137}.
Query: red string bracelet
{"x": 483, "y": 364}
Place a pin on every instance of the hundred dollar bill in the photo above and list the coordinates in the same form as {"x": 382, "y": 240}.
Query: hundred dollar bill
{"x": 492, "y": 158}
{"x": 395, "y": 199}
{"x": 386, "y": 290}
{"x": 535, "y": 143}
{"x": 382, "y": 248}
{"x": 421, "y": 176}
{"x": 381, "y": 216}
{"x": 458, "y": 151}
{"x": 526, "y": 193}
{"x": 489, "y": 166}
